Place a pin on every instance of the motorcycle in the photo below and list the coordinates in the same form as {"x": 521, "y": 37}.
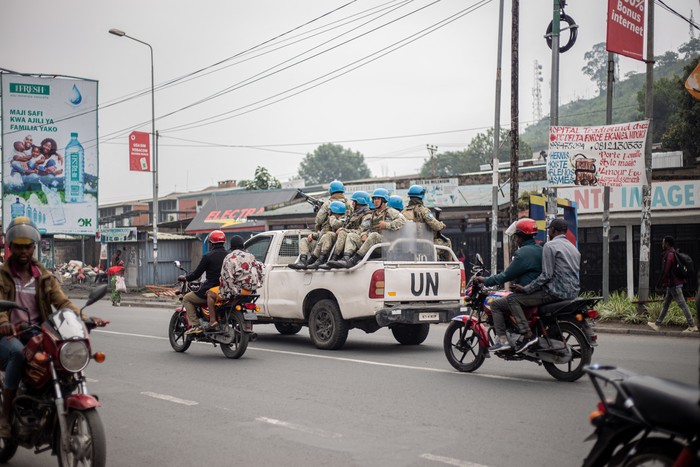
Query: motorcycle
{"x": 648, "y": 421}
{"x": 565, "y": 337}
{"x": 53, "y": 409}
{"x": 235, "y": 318}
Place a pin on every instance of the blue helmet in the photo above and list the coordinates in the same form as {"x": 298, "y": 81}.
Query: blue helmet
{"x": 395, "y": 202}
{"x": 336, "y": 186}
{"x": 416, "y": 191}
{"x": 381, "y": 193}
{"x": 361, "y": 197}
{"x": 338, "y": 207}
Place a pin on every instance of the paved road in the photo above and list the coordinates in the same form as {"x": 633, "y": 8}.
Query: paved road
{"x": 374, "y": 403}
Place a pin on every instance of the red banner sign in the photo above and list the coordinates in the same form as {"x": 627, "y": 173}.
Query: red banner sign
{"x": 626, "y": 28}
{"x": 139, "y": 152}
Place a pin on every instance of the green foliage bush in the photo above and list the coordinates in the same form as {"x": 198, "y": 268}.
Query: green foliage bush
{"x": 620, "y": 308}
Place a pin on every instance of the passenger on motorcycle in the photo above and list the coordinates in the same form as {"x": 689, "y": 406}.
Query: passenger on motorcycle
{"x": 241, "y": 274}
{"x": 525, "y": 267}
{"x": 559, "y": 279}
{"x": 211, "y": 264}
{"x": 26, "y": 282}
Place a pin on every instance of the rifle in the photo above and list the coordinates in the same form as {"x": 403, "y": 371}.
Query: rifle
{"x": 436, "y": 212}
{"x": 316, "y": 203}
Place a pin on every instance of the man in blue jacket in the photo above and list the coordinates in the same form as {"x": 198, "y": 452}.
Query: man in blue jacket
{"x": 525, "y": 267}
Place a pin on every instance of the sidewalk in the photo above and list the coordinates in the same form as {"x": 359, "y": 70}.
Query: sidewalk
{"x": 151, "y": 300}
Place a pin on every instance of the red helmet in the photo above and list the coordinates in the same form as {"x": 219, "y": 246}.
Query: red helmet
{"x": 526, "y": 227}
{"x": 217, "y": 236}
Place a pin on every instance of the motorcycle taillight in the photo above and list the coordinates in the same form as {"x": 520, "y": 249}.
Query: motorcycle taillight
{"x": 592, "y": 314}
{"x": 598, "y": 414}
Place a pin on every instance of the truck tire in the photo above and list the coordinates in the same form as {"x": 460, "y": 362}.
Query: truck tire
{"x": 287, "y": 329}
{"x": 327, "y": 328}
{"x": 410, "y": 334}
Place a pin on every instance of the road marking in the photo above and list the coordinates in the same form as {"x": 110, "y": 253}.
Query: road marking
{"x": 168, "y": 398}
{"x": 302, "y": 428}
{"x": 351, "y": 360}
{"x": 450, "y": 461}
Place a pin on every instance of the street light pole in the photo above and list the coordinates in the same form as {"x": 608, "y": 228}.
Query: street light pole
{"x": 154, "y": 145}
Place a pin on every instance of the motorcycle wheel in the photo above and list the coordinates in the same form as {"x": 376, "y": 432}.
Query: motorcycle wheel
{"x": 581, "y": 354}
{"x": 176, "y": 333}
{"x": 234, "y": 326}
{"x": 8, "y": 448}
{"x": 654, "y": 451}
{"x": 462, "y": 347}
{"x": 87, "y": 445}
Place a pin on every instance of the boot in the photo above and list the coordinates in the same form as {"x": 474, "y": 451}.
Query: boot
{"x": 337, "y": 263}
{"x": 319, "y": 261}
{"x": 327, "y": 266}
{"x": 351, "y": 262}
{"x": 300, "y": 264}
{"x": 8, "y": 397}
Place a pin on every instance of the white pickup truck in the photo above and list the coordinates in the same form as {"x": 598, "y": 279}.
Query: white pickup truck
{"x": 404, "y": 287}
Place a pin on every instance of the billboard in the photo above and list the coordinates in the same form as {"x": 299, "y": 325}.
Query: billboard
{"x": 626, "y": 28}
{"x": 609, "y": 155}
{"x": 50, "y": 156}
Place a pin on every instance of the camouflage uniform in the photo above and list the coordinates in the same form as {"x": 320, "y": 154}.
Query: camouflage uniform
{"x": 417, "y": 212}
{"x": 324, "y": 245}
{"x": 394, "y": 219}
{"x": 323, "y": 224}
{"x": 353, "y": 225}
{"x": 239, "y": 271}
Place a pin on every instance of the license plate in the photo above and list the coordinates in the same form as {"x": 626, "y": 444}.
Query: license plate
{"x": 250, "y": 316}
{"x": 428, "y": 317}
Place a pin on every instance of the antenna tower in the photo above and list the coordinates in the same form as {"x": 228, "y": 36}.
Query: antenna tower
{"x": 537, "y": 93}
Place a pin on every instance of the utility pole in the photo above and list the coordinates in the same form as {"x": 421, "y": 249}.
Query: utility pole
{"x": 514, "y": 109}
{"x": 432, "y": 150}
{"x": 606, "y": 189}
{"x": 645, "y": 225}
{"x": 496, "y": 146}
{"x": 554, "y": 96}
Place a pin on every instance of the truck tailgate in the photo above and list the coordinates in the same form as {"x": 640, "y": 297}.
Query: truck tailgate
{"x": 421, "y": 281}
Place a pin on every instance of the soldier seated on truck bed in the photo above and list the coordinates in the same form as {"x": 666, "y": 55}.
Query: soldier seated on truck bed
{"x": 383, "y": 218}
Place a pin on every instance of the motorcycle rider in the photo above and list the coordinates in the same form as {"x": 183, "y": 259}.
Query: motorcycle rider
{"x": 322, "y": 225}
{"x": 24, "y": 280}
{"x": 211, "y": 264}
{"x": 559, "y": 279}
{"x": 525, "y": 267}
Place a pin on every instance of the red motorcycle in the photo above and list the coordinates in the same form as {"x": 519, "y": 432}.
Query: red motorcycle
{"x": 565, "y": 338}
{"x": 235, "y": 319}
{"x": 53, "y": 409}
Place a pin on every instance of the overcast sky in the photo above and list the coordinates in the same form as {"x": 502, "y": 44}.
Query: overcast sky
{"x": 294, "y": 74}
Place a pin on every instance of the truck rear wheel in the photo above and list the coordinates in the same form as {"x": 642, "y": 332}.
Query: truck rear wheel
{"x": 327, "y": 328}
{"x": 410, "y": 334}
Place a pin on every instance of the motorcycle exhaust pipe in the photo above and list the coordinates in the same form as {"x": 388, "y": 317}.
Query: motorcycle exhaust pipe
{"x": 253, "y": 337}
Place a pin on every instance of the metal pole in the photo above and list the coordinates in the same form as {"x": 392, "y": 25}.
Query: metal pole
{"x": 606, "y": 190}
{"x": 554, "y": 97}
{"x": 645, "y": 225}
{"x": 496, "y": 146}
{"x": 514, "y": 111}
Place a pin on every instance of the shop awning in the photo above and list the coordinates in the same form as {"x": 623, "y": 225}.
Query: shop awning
{"x": 230, "y": 212}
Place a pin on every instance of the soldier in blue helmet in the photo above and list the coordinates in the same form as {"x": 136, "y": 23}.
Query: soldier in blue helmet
{"x": 361, "y": 216}
{"x": 417, "y": 212}
{"x": 396, "y": 202}
{"x": 383, "y": 218}
{"x": 336, "y": 220}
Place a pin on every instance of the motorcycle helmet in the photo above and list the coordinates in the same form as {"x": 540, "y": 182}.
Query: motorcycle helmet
{"x": 395, "y": 202}
{"x": 22, "y": 231}
{"x": 361, "y": 197}
{"x": 336, "y": 186}
{"x": 526, "y": 227}
{"x": 382, "y": 193}
{"x": 416, "y": 191}
{"x": 338, "y": 207}
{"x": 216, "y": 236}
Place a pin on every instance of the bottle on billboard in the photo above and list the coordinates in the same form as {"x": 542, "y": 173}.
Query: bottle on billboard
{"x": 58, "y": 216}
{"x": 17, "y": 208}
{"x": 75, "y": 170}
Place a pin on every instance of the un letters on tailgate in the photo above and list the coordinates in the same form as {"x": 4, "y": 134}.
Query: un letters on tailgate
{"x": 413, "y": 283}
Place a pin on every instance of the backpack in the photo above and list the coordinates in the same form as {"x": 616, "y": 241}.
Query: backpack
{"x": 684, "y": 268}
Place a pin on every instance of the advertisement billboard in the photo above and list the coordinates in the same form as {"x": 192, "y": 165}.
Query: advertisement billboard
{"x": 626, "y": 28}
{"x": 50, "y": 155}
{"x": 609, "y": 155}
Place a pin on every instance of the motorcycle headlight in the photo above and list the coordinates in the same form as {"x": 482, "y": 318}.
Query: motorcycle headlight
{"x": 74, "y": 356}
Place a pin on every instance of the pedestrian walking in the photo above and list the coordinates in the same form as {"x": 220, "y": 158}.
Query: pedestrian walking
{"x": 672, "y": 286}
{"x": 116, "y": 278}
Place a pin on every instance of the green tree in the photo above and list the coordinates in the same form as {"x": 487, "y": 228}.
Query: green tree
{"x": 478, "y": 152}
{"x": 690, "y": 49}
{"x": 263, "y": 181}
{"x": 597, "y": 66}
{"x": 333, "y": 162}
{"x": 667, "y": 96}
{"x": 682, "y": 129}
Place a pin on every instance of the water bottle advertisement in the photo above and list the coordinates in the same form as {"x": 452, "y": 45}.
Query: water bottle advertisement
{"x": 49, "y": 152}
